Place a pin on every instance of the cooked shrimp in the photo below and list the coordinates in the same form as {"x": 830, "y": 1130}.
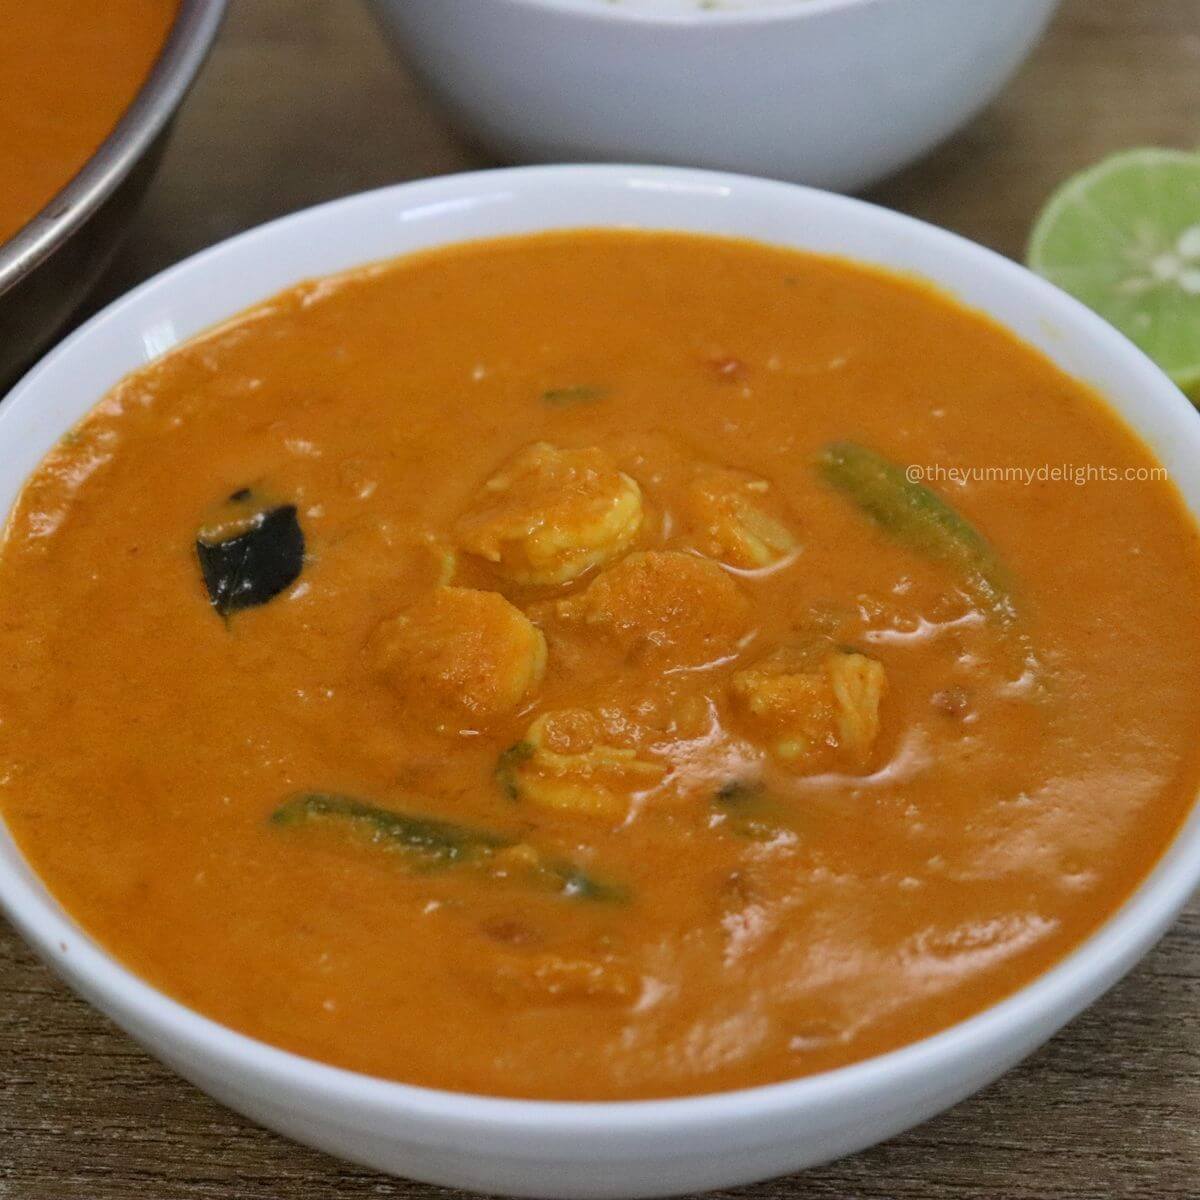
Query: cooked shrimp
{"x": 728, "y": 514}
{"x": 814, "y": 714}
{"x": 549, "y": 515}
{"x": 663, "y": 608}
{"x": 466, "y": 656}
{"x": 571, "y": 761}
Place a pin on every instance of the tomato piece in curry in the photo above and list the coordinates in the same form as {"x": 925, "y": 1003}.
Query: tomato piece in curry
{"x": 528, "y": 668}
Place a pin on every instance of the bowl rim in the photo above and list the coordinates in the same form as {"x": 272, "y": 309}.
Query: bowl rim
{"x": 625, "y": 12}
{"x": 1066, "y": 986}
{"x": 187, "y": 44}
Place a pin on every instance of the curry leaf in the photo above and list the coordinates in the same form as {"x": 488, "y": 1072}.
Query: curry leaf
{"x": 506, "y": 768}
{"x": 749, "y": 810}
{"x": 430, "y": 842}
{"x": 439, "y": 841}
{"x": 916, "y": 516}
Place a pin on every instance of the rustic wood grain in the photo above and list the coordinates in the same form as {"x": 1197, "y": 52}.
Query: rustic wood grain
{"x": 301, "y": 102}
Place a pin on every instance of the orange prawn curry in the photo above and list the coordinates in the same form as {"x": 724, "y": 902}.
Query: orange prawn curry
{"x": 68, "y": 71}
{"x": 533, "y": 668}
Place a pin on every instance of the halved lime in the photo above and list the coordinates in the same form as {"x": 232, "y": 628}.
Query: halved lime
{"x": 1124, "y": 237}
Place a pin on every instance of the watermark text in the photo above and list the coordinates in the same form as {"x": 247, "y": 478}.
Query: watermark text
{"x": 1076, "y": 474}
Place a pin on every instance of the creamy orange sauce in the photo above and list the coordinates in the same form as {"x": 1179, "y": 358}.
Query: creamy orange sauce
{"x": 573, "y": 575}
{"x": 68, "y": 71}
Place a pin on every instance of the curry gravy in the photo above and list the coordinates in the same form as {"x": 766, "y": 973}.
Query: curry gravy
{"x": 594, "y": 734}
{"x": 68, "y": 71}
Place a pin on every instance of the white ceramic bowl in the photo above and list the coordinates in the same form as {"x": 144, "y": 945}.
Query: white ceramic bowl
{"x": 567, "y": 1150}
{"x": 833, "y": 93}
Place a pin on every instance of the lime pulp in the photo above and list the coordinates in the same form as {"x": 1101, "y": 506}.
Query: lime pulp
{"x": 1124, "y": 237}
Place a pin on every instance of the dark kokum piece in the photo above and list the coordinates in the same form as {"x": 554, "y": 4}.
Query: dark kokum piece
{"x": 255, "y": 566}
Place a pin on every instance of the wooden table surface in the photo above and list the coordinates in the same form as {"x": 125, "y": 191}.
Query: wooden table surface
{"x": 301, "y": 102}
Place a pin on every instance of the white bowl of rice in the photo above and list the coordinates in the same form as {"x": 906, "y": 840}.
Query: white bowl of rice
{"x": 833, "y": 93}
